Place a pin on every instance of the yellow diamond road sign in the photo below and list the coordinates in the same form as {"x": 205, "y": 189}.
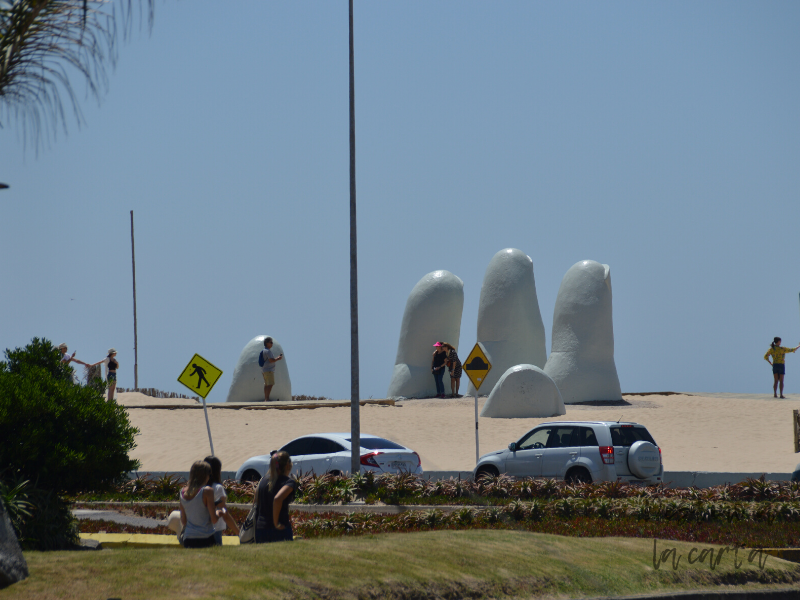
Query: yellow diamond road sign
{"x": 477, "y": 366}
{"x": 200, "y": 375}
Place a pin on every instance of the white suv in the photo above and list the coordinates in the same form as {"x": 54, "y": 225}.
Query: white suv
{"x": 580, "y": 452}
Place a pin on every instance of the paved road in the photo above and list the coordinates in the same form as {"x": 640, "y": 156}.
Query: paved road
{"x": 112, "y": 515}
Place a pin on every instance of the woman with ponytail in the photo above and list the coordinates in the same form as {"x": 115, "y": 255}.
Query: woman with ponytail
{"x": 273, "y": 496}
{"x": 778, "y": 354}
{"x": 198, "y": 515}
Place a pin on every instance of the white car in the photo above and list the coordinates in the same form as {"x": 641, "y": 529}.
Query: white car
{"x": 580, "y": 452}
{"x": 330, "y": 453}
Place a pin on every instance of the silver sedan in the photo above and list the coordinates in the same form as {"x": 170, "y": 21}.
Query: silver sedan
{"x": 330, "y": 453}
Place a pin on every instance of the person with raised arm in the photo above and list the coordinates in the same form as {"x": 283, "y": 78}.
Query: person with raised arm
{"x": 778, "y": 354}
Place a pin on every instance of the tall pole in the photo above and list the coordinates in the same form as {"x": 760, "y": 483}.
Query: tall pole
{"x": 355, "y": 419}
{"x": 477, "y": 441}
{"x": 135, "y": 337}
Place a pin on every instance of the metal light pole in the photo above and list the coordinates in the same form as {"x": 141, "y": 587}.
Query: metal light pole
{"x": 355, "y": 418}
{"x": 135, "y": 337}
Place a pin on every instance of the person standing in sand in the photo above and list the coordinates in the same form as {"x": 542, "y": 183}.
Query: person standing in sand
{"x": 437, "y": 368}
{"x": 268, "y": 370}
{"x": 778, "y": 354}
{"x": 454, "y": 366}
{"x": 112, "y": 365}
{"x": 68, "y": 358}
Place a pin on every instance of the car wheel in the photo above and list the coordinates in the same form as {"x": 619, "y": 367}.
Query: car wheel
{"x": 335, "y": 473}
{"x": 251, "y": 475}
{"x": 486, "y": 471}
{"x": 578, "y": 476}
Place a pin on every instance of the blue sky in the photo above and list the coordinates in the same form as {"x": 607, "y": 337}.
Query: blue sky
{"x": 661, "y": 138}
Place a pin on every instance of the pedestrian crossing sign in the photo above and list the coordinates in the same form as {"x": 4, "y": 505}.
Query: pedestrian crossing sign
{"x": 200, "y": 375}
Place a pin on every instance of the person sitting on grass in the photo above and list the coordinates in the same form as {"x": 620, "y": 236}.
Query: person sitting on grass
{"x": 220, "y": 500}
{"x": 273, "y": 495}
{"x": 198, "y": 515}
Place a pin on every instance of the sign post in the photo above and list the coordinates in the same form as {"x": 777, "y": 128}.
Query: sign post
{"x": 796, "y": 429}
{"x": 206, "y": 376}
{"x": 477, "y": 366}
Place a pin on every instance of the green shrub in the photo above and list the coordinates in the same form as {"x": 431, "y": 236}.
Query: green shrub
{"x": 60, "y": 435}
{"x": 51, "y": 525}
{"x": 39, "y": 354}
{"x": 40, "y": 518}
{"x": 14, "y": 496}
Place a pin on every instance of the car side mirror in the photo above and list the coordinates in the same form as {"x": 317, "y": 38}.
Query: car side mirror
{"x": 272, "y": 452}
{"x": 513, "y": 446}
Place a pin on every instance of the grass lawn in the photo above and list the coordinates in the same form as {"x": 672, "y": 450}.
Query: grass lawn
{"x": 455, "y": 564}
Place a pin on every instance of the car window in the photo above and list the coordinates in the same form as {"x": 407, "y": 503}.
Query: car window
{"x": 560, "y": 437}
{"x": 627, "y": 435}
{"x": 587, "y": 437}
{"x": 300, "y": 447}
{"x": 319, "y": 445}
{"x": 534, "y": 439}
{"x": 324, "y": 446}
{"x": 378, "y": 444}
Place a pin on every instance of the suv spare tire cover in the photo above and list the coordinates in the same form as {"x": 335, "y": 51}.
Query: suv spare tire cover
{"x": 643, "y": 460}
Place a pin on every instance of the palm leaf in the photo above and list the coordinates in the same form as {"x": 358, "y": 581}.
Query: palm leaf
{"x": 46, "y": 43}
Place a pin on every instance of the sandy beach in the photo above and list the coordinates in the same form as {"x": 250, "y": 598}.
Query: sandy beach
{"x": 696, "y": 432}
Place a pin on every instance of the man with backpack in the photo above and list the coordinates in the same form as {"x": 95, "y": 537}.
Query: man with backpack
{"x": 266, "y": 360}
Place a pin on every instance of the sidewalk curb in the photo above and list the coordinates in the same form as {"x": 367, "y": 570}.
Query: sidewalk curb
{"x": 144, "y": 540}
{"x": 780, "y": 594}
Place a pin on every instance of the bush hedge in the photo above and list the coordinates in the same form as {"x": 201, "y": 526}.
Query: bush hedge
{"x": 57, "y": 438}
{"x": 410, "y": 489}
{"x": 60, "y": 435}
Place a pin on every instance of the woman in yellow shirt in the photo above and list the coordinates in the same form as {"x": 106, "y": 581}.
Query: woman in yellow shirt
{"x": 778, "y": 354}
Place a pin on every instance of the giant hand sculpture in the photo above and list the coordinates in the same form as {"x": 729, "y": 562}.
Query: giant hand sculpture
{"x": 581, "y": 361}
{"x": 433, "y": 313}
{"x": 509, "y": 323}
{"x": 247, "y": 384}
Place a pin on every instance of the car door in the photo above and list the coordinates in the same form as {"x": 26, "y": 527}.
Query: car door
{"x": 332, "y": 456}
{"x": 590, "y": 450}
{"x": 318, "y": 460}
{"x": 526, "y": 460}
{"x": 561, "y": 451}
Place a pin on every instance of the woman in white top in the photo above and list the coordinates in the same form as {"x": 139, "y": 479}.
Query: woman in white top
{"x": 220, "y": 500}
{"x": 198, "y": 515}
{"x": 68, "y": 358}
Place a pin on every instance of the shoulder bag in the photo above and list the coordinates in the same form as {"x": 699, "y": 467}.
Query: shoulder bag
{"x": 247, "y": 532}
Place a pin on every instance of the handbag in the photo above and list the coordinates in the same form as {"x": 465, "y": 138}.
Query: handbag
{"x": 247, "y": 532}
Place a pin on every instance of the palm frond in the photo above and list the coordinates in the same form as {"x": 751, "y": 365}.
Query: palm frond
{"x": 44, "y": 45}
